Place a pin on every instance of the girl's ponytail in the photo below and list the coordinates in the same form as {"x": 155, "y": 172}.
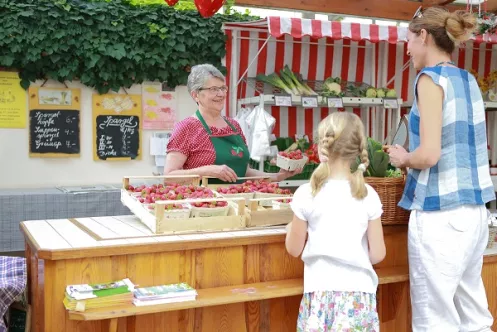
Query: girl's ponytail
{"x": 357, "y": 182}
{"x": 321, "y": 174}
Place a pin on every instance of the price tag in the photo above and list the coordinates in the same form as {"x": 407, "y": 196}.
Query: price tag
{"x": 283, "y": 100}
{"x": 390, "y": 103}
{"x": 310, "y": 102}
{"x": 335, "y": 102}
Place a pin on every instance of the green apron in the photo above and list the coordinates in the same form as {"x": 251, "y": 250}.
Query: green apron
{"x": 230, "y": 149}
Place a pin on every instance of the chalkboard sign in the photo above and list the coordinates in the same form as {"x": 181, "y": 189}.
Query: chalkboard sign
{"x": 54, "y": 132}
{"x": 118, "y": 136}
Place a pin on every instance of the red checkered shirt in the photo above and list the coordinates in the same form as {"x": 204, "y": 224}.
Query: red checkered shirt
{"x": 190, "y": 138}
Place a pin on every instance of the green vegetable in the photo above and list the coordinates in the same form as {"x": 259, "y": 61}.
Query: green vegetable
{"x": 275, "y": 81}
{"x": 393, "y": 173}
{"x": 391, "y": 93}
{"x": 379, "y": 161}
{"x": 371, "y": 93}
{"x": 332, "y": 87}
{"x": 380, "y": 93}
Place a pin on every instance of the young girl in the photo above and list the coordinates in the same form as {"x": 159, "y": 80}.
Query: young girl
{"x": 341, "y": 215}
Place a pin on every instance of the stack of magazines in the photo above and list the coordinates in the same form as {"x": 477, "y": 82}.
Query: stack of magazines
{"x": 92, "y": 296}
{"x": 164, "y": 294}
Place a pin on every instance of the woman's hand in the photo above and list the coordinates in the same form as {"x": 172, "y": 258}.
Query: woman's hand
{"x": 398, "y": 156}
{"x": 223, "y": 173}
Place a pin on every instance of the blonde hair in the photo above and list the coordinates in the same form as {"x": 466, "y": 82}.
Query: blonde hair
{"x": 341, "y": 136}
{"x": 447, "y": 29}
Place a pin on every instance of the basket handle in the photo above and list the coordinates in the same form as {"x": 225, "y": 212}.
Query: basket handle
{"x": 492, "y": 222}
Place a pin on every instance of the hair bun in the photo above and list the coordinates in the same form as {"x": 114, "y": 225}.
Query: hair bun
{"x": 460, "y": 25}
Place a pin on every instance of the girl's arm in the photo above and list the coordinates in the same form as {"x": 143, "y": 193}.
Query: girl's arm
{"x": 377, "y": 250}
{"x": 430, "y": 105}
{"x": 295, "y": 236}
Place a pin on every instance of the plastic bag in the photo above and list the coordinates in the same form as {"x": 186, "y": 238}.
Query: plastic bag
{"x": 261, "y": 125}
{"x": 240, "y": 118}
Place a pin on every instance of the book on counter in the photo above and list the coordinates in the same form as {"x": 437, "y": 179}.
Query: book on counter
{"x": 92, "y": 296}
{"x": 164, "y": 294}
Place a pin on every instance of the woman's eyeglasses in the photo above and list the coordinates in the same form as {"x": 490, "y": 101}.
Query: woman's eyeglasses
{"x": 418, "y": 13}
{"x": 215, "y": 89}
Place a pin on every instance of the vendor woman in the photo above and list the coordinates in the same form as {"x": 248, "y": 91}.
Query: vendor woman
{"x": 207, "y": 143}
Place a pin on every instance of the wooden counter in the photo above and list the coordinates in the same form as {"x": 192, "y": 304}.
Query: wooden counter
{"x": 91, "y": 250}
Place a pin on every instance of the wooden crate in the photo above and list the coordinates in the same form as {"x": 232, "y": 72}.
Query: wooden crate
{"x": 258, "y": 215}
{"x": 256, "y": 195}
{"x": 159, "y": 223}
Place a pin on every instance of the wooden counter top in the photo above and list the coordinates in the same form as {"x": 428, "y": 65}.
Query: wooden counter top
{"x": 104, "y": 236}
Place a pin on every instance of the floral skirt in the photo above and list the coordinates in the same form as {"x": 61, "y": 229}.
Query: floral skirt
{"x": 338, "y": 312}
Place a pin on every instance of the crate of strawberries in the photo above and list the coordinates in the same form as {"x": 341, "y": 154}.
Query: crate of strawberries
{"x": 254, "y": 189}
{"x": 165, "y": 207}
{"x": 291, "y": 160}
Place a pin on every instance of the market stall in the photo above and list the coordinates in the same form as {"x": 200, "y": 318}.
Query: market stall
{"x": 372, "y": 54}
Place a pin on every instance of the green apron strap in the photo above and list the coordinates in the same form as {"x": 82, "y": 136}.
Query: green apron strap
{"x": 206, "y": 127}
{"x": 202, "y": 121}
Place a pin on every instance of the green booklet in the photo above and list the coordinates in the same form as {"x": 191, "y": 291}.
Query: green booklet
{"x": 165, "y": 291}
{"x": 88, "y": 291}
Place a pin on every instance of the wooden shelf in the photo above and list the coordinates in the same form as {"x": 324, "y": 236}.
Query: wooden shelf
{"x": 227, "y": 295}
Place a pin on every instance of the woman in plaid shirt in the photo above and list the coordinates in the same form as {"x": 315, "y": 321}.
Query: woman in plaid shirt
{"x": 448, "y": 181}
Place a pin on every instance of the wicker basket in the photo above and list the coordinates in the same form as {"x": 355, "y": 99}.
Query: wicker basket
{"x": 390, "y": 191}
{"x": 492, "y": 233}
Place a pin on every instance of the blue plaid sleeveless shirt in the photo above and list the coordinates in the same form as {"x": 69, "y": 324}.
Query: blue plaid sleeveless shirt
{"x": 462, "y": 175}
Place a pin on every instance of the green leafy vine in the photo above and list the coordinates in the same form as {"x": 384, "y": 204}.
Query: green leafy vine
{"x": 107, "y": 44}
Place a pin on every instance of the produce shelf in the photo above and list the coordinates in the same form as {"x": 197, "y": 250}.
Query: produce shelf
{"x": 322, "y": 101}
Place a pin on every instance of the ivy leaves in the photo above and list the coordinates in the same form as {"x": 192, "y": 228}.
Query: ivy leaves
{"x": 107, "y": 44}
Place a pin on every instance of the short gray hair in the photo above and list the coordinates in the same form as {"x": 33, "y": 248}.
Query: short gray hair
{"x": 200, "y": 74}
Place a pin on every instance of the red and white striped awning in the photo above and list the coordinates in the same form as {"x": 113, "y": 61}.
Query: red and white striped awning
{"x": 316, "y": 29}
{"x": 298, "y": 28}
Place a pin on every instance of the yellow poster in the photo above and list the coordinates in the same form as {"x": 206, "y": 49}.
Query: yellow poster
{"x": 13, "y": 102}
{"x": 117, "y": 127}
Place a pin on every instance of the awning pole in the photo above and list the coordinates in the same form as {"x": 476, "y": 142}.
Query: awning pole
{"x": 253, "y": 60}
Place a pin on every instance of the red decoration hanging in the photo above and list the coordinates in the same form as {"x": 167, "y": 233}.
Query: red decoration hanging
{"x": 207, "y": 8}
{"x": 171, "y": 2}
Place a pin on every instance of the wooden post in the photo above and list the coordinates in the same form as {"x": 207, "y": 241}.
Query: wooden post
{"x": 125, "y": 182}
{"x": 113, "y": 325}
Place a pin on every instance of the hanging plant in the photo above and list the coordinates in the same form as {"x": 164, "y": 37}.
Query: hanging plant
{"x": 107, "y": 45}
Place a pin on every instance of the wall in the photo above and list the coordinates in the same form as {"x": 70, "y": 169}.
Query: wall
{"x": 18, "y": 170}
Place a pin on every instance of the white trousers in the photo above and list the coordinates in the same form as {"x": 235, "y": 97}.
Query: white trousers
{"x": 445, "y": 262}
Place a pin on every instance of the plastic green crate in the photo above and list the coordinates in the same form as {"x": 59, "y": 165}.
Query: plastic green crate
{"x": 253, "y": 164}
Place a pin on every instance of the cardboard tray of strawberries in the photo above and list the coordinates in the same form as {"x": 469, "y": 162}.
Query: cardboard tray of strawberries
{"x": 292, "y": 160}
{"x": 179, "y": 204}
{"x": 251, "y": 188}
{"x": 268, "y": 204}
